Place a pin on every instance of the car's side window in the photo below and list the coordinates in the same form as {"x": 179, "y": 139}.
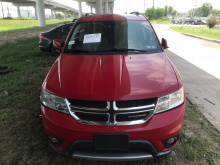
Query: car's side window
{"x": 67, "y": 29}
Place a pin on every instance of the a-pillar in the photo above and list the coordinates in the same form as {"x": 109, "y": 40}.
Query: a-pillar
{"x": 19, "y": 12}
{"x": 80, "y": 9}
{"x": 106, "y": 8}
{"x": 35, "y": 9}
{"x": 41, "y": 13}
{"x": 99, "y": 9}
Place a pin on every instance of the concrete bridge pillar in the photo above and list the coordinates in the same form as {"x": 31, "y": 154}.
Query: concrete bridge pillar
{"x": 99, "y": 9}
{"x": 19, "y": 12}
{"x": 64, "y": 14}
{"x": 35, "y": 9}
{"x": 80, "y": 9}
{"x": 51, "y": 13}
{"x": 90, "y": 9}
{"x": 41, "y": 13}
{"x": 106, "y": 8}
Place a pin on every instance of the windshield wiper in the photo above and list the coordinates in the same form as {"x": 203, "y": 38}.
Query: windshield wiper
{"x": 128, "y": 50}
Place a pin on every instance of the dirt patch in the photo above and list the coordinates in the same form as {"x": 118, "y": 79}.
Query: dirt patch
{"x": 211, "y": 44}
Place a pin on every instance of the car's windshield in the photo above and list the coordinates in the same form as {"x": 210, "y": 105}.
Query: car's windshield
{"x": 113, "y": 36}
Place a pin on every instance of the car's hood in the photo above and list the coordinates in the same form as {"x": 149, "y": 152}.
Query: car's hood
{"x": 111, "y": 77}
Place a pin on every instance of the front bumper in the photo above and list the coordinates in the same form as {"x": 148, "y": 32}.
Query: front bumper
{"x": 75, "y": 135}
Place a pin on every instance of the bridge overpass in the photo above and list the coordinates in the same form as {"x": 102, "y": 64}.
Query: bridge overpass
{"x": 101, "y": 6}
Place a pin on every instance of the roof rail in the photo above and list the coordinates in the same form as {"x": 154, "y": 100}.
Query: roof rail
{"x": 135, "y": 13}
{"x": 89, "y": 14}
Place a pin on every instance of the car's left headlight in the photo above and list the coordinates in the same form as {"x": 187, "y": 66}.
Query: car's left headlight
{"x": 54, "y": 102}
{"x": 170, "y": 101}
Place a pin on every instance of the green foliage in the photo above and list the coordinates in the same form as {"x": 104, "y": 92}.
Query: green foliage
{"x": 59, "y": 16}
{"x": 165, "y": 19}
{"x": 211, "y": 22}
{"x": 8, "y": 25}
{"x": 203, "y": 11}
{"x": 206, "y": 9}
{"x": 150, "y": 13}
{"x": 170, "y": 10}
{"x": 216, "y": 12}
{"x": 165, "y": 11}
{"x": 153, "y": 13}
{"x": 158, "y": 13}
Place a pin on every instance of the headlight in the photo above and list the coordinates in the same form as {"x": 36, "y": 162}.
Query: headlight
{"x": 54, "y": 102}
{"x": 170, "y": 101}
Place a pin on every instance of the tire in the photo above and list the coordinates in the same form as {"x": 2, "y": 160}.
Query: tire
{"x": 55, "y": 52}
{"x": 6, "y": 69}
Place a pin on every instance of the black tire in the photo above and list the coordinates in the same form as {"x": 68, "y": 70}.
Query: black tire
{"x": 6, "y": 69}
{"x": 55, "y": 52}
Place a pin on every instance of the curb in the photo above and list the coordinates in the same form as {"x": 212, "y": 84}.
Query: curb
{"x": 205, "y": 113}
{"x": 204, "y": 38}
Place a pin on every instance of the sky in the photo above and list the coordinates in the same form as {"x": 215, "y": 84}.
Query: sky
{"x": 122, "y": 6}
{"x": 179, "y": 5}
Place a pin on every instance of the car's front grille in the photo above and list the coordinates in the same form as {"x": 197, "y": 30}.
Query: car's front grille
{"x": 110, "y": 113}
{"x": 135, "y": 103}
{"x": 88, "y": 104}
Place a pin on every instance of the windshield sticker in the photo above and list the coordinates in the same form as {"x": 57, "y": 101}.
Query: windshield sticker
{"x": 92, "y": 38}
{"x": 150, "y": 47}
{"x": 71, "y": 43}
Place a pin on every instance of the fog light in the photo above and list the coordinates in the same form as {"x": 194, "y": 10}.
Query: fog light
{"x": 55, "y": 141}
{"x": 170, "y": 142}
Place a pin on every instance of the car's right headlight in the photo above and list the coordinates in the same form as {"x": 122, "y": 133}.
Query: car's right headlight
{"x": 54, "y": 102}
{"x": 170, "y": 101}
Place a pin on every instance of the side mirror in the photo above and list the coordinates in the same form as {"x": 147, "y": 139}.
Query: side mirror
{"x": 57, "y": 43}
{"x": 164, "y": 43}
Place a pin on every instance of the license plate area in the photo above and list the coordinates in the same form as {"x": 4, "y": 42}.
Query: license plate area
{"x": 106, "y": 141}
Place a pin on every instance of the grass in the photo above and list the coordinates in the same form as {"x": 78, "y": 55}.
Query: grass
{"x": 161, "y": 22}
{"x": 22, "y": 137}
{"x": 213, "y": 33}
{"x": 14, "y": 25}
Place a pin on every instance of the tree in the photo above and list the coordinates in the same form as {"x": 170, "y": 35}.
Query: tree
{"x": 150, "y": 13}
{"x": 158, "y": 13}
{"x": 153, "y": 13}
{"x": 165, "y": 11}
{"x": 170, "y": 10}
{"x": 216, "y": 12}
{"x": 206, "y": 9}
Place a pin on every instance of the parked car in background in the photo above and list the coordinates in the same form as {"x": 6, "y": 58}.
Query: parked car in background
{"x": 190, "y": 20}
{"x": 200, "y": 21}
{"x": 113, "y": 93}
{"x": 195, "y": 20}
{"x": 46, "y": 38}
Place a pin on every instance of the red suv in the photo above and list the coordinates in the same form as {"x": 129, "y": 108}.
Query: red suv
{"x": 113, "y": 93}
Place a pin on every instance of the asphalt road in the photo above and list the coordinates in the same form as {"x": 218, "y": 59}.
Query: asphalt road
{"x": 198, "y": 62}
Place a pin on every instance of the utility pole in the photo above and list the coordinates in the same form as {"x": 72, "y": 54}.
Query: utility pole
{"x": 144, "y": 6}
{"x": 153, "y": 3}
{"x": 2, "y": 10}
